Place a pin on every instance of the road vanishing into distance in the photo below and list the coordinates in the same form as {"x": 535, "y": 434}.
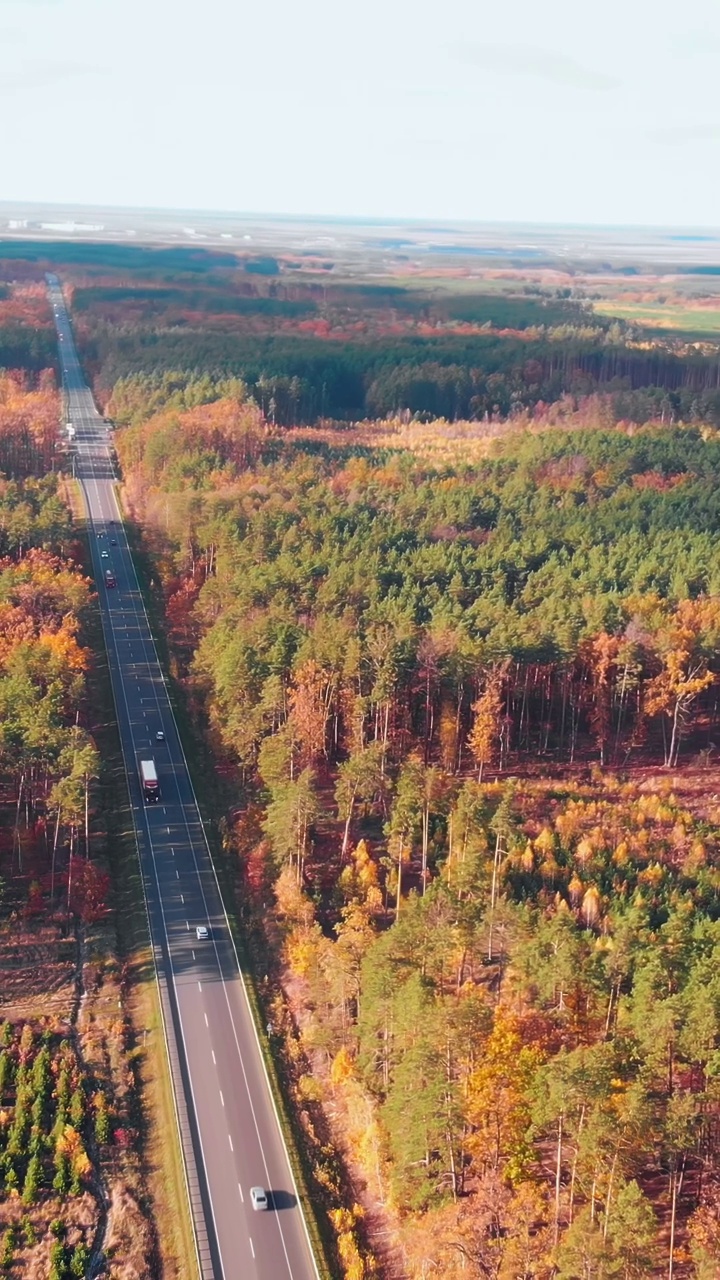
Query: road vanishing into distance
{"x": 228, "y": 1123}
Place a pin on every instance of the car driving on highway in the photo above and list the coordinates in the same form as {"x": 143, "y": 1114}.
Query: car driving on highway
{"x": 201, "y": 933}
{"x": 258, "y": 1198}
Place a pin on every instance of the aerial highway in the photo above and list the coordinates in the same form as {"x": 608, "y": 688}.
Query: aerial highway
{"x": 228, "y": 1124}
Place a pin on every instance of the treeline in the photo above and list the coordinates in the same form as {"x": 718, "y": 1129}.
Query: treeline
{"x": 29, "y": 349}
{"x": 559, "y": 583}
{"x": 30, "y": 412}
{"x": 52, "y": 255}
{"x": 27, "y": 338}
{"x": 48, "y": 761}
{"x": 299, "y": 379}
{"x": 154, "y": 301}
{"x": 294, "y": 296}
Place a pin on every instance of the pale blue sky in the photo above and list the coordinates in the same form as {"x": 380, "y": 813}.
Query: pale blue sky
{"x": 524, "y": 110}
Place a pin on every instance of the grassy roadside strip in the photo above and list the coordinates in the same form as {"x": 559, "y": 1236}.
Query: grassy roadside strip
{"x": 161, "y": 1155}
{"x": 212, "y": 802}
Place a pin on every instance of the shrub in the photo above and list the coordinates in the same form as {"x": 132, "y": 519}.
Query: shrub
{"x": 7, "y": 1250}
{"x": 80, "y": 1261}
{"x": 28, "y": 1230}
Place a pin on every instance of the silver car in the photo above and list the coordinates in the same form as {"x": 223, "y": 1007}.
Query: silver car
{"x": 258, "y": 1198}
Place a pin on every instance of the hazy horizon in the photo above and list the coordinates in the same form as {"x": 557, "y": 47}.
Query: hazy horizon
{"x": 269, "y": 215}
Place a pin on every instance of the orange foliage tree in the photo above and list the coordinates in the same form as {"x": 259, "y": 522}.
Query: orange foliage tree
{"x": 484, "y": 739}
{"x": 686, "y": 643}
{"x": 29, "y": 421}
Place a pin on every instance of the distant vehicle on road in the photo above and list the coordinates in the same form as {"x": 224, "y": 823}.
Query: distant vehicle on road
{"x": 201, "y": 933}
{"x": 258, "y": 1198}
{"x": 160, "y": 736}
{"x": 113, "y": 542}
{"x": 150, "y": 784}
{"x": 110, "y": 578}
{"x": 104, "y": 555}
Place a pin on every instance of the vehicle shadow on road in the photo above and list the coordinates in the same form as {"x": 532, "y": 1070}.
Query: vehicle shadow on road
{"x": 281, "y": 1200}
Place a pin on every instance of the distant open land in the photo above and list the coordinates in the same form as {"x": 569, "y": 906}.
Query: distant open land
{"x": 662, "y": 280}
{"x": 355, "y": 243}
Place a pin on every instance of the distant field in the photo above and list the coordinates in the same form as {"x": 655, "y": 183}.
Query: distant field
{"x": 690, "y": 320}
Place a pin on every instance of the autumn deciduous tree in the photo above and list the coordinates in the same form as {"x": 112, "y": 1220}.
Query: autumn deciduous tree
{"x": 310, "y": 701}
{"x": 498, "y": 1100}
{"x": 600, "y": 655}
{"x": 28, "y": 426}
{"x": 484, "y": 739}
{"x": 690, "y": 639}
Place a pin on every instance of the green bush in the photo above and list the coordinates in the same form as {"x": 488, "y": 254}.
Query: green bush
{"x": 29, "y": 1232}
{"x": 7, "y": 1250}
{"x": 80, "y": 1261}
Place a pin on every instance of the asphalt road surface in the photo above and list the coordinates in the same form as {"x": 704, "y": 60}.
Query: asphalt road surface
{"x": 228, "y": 1124}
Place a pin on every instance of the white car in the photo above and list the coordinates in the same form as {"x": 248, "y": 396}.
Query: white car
{"x": 201, "y": 933}
{"x": 159, "y": 736}
{"x": 104, "y": 555}
{"x": 258, "y": 1198}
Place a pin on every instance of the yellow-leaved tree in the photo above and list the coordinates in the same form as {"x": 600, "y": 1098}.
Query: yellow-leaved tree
{"x": 498, "y": 1105}
{"x": 685, "y": 644}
